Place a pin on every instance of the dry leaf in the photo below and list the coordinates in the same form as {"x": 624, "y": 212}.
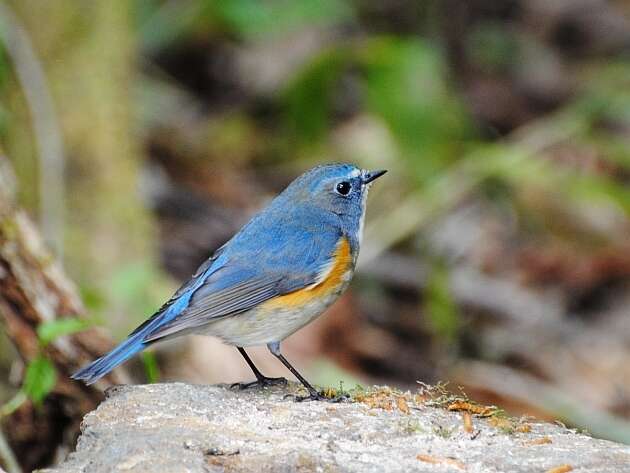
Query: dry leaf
{"x": 471, "y": 407}
{"x": 402, "y": 405}
{"x": 560, "y": 469}
{"x": 540, "y": 441}
{"x": 443, "y": 461}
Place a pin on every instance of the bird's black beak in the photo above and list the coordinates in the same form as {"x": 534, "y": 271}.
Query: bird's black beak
{"x": 370, "y": 176}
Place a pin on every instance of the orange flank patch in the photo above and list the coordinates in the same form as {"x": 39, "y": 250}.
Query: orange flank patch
{"x": 330, "y": 282}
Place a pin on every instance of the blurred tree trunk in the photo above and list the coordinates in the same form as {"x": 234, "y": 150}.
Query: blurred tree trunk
{"x": 34, "y": 289}
{"x": 89, "y": 54}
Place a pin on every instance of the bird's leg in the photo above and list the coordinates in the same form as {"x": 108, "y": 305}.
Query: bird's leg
{"x": 261, "y": 380}
{"x": 313, "y": 394}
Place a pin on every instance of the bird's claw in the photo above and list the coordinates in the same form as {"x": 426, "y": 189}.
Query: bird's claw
{"x": 260, "y": 383}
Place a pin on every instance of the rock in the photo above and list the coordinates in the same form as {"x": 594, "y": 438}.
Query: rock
{"x": 188, "y": 428}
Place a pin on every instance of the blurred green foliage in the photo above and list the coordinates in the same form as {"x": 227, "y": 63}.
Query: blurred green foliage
{"x": 151, "y": 367}
{"x": 162, "y": 22}
{"x": 140, "y": 288}
{"x": 440, "y": 308}
{"x": 53, "y": 329}
{"x": 5, "y": 73}
{"x": 406, "y": 86}
{"x": 40, "y": 374}
{"x": 308, "y": 98}
{"x": 39, "y": 380}
{"x": 403, "y": 83}
{"x": 253, "y": 19}
{"x": 493, "y": 47}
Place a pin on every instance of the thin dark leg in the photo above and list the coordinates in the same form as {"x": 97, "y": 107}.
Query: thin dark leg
{"x": 261, "y": 379}
{"x": 313, "y": 394}
{"x": 251, "y": 364}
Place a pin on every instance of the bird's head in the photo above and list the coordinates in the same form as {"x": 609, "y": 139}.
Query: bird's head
{"x": 338, "y": 188}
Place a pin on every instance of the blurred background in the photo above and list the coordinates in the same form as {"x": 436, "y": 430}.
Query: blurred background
{"x": 144, "y": 133}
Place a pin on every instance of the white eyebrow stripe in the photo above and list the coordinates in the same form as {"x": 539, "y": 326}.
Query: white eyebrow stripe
{"x": 355, "y": 173}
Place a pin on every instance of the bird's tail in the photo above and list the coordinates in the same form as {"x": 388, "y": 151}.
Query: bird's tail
{"x": 135, "y": 343}
{"x": 100, "y": 367}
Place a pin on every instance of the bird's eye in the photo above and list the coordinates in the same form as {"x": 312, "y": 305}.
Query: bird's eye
{"x": 343, "y": 188}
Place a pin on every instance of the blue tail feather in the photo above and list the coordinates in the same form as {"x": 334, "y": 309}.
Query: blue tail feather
{"x": 135, "y": 343}
{"x": 103, "y": 365}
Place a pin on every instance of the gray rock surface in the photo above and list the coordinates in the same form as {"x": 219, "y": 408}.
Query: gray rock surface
{"x": 187, "y": 428}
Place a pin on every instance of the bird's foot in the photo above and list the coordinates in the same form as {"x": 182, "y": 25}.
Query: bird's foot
{"x": 262, "y": 382}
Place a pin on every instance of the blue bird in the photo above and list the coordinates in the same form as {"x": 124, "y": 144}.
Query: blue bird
{"x": 278, "y": 273}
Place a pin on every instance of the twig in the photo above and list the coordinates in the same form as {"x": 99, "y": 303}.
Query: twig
{"x": 13, "y": 404}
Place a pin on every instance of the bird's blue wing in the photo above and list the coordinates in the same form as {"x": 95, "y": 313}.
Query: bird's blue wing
{"x": 212, "y": 301}
{"x": 181, "y": 299}
{"x": 260, "y": 265}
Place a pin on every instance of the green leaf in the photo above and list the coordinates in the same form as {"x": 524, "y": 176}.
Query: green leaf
{"x": 40, "y": 379}
{"x": 49, "y": 331}
{"x": 151, "y": 368}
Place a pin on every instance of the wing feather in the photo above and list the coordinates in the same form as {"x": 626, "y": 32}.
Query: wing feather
{"x": 209, "y": 305}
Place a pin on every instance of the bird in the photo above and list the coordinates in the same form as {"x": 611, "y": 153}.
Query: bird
{"x": 278, "y": 273}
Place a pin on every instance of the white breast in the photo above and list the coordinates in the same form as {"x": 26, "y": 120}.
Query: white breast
{"x": 362, "y": 218}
